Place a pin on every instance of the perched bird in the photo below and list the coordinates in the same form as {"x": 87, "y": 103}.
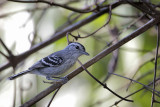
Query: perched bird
{"x": 57, "y": 63}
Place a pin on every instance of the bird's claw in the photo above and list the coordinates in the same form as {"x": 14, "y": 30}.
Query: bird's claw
{"x": 61, "y": 80}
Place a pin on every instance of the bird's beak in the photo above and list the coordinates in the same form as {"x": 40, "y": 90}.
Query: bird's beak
{"x": 85, "y": 53}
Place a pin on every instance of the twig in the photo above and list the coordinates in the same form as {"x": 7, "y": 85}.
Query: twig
{"x": 14, "y": 93}
{"x": 115, "y": 55}
{"x": 68, "y": 38}
{"x": 4, "y": 55}
{"x": 137, "y": 82}
{"x": 126, "y": 16}
{"x": 109, "y": 98}
{"x": 132, "y": 23}
{"x": 110, "y": 14}
{"x": 10, "y": 56}
{"x": 69, "y": 22}
{"x": 155, "y": 67}
{"x": 117, "y": 102}
{"x": 53, "y": 97}
{"x": 18, "y": 11}
{"x": 56, "y": 4}
{"x": 6, "y": 48}
{"x": 130, "y": 49}
{"x": 104, "y": 85}
{"x": 151, "y": 9}
{"x": 157, "y": 101}
{"x": 151, "y": 60}
{"x": 140, "y": 6}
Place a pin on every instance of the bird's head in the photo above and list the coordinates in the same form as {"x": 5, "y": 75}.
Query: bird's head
{"x": 77, "y": 49}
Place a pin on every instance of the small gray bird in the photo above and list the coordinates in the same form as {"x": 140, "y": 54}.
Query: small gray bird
{"x": 57, "y": 63}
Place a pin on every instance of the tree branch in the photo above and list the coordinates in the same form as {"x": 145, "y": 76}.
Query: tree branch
{"x": 56, "y": 4}
{"x": 155, "y": 64}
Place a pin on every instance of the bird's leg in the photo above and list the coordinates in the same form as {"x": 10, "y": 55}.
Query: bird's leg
{"x": 62, "y": 80}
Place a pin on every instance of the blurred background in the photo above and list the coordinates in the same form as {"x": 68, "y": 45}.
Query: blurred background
{"x": 24, "y": 25}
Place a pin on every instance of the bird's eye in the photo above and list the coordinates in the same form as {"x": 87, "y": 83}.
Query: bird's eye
{"x": 77, "y": 47}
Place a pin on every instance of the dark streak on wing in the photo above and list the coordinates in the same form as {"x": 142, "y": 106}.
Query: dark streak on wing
{"x": 52, "y": 61}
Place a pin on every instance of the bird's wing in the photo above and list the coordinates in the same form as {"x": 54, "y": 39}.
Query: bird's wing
{"x": 49, "y": 61}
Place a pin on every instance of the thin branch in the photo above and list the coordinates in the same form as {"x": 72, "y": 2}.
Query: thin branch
{"x": 69, "y": 22}
{"x": 104, "y": 85}
{"x": 132, "y": 23}
{"x": 130, "y": 49}
{"x": 140, "y": 6}
{"x": 155, "y": 68}
{"x": 14, "y": 93}
{"x": 56, "y": 4}
{"x": 10, "y": 56}
{"x": 6, "y": 48}
{"x": 109, "y": 18}
{"x": 18, "y": 11}
{"x": 67, "y": 36}
{"x": 117, "y": 102}
{"x": 150, "y": 60}
{"x": 149, "y": 6}
{"x": 109, "y": 98}
{"x": 157, "y": 101}
{"x": 147, "y": 87}
{"x": 4, "y": 55}
{"x": 115, "y": 55}
{"x": 53, "y": 97}
{"x": 126, "y": 16}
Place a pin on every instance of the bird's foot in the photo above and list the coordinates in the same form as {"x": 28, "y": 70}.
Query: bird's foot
{"x": 61, "y": 80}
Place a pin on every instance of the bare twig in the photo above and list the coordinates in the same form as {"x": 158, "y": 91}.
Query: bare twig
{"x": 68, "y": 38}
{"x": 142, "y": 7}
{"x": 69, "y": 22}
{"x": 151, "y": 60}
{"x": 109, "y": 18}
{"x": 10, "y": 56}
{"x": 150, "y": 7}
{"x": 155, "y": 68}
{"x": 114, "y": 59}
{"x": 18, "y": 11}
{"x": 132, "y": 23}
{"x": 56, "y": 4}
{"x": 6, "y": 48}
{"x": 117, "y": 102}
{"x": 130, "y": 49}
{"x": 104, "y": 85}
{"x": 53, "y": 97}
{"x": 4, "y": 55}
{"x": 126, "y": 16}
{"x": 149, "y": 88}
{"x": 14, "y": 93}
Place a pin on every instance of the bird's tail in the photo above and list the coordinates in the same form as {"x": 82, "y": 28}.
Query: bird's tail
{"x": 17, "y": 75}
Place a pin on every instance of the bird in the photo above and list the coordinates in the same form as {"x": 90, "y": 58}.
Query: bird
{"x": 57, "y": 63}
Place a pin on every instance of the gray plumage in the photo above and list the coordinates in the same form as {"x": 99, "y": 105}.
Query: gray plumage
{"x": 56, "y": 63}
